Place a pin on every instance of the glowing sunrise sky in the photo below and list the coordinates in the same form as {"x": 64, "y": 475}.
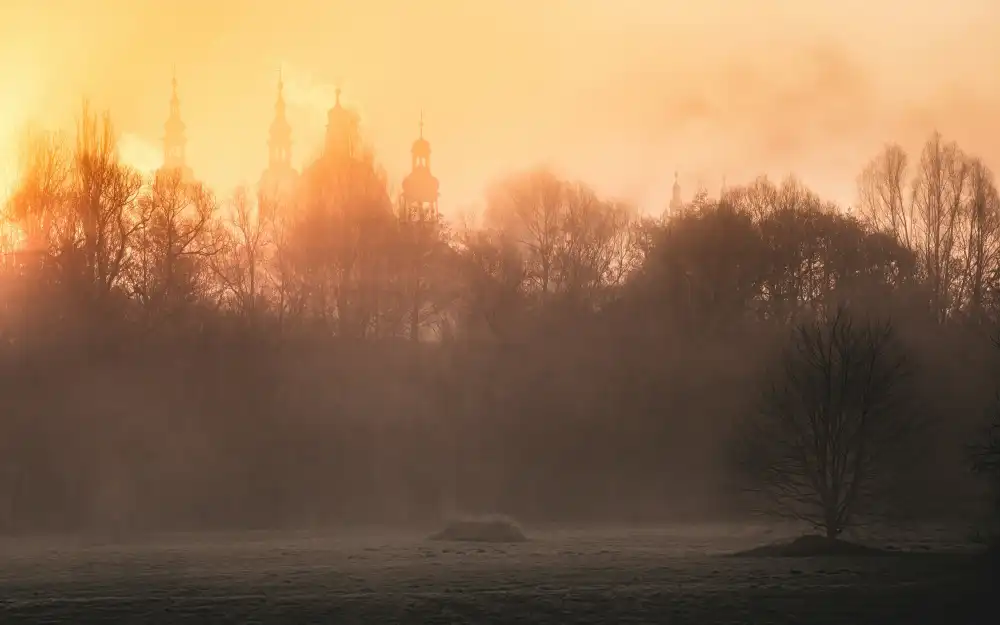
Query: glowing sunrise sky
{"x": 618, "y": 92}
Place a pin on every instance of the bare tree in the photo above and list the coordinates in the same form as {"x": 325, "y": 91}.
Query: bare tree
{"x": 758, "y": 199}
{"x": 883, "y": 198}
{"x": 177, "y": 237}
{"x": 338, "y": 242}
{"x": 42, "y": 189}
{"x": 99, "y": 229}
{"x": 495, "y": 281}
{"x": 824, "y": 441}
{"x": 531, "y": 209}
{"x": 947, "y": 213}
{"x": 284, "y": 274}
{"x": 939, "y": 192}
{"x": 240, "y": 266}
{"x": 597, "y": 251}
{"x": 980, "y": 252}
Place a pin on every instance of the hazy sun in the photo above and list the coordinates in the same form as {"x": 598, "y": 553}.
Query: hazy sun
{"x": 18, "y": 95}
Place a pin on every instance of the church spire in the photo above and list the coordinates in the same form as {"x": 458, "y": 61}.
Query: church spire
{"x": 420, "y": 187}
{"x": 175, "y": 101}
{"x": 278, "y": 181}
{"x": 421, "y": 150}
{"x": 174, "y": 139}
{"x": 280, "y": 141}
{"x": 676, "y": 203}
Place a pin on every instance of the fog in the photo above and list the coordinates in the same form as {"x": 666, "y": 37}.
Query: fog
{"x": 618, "y": 93}
{"x": 525, "y": 310}
{"x": 182, "y": 355}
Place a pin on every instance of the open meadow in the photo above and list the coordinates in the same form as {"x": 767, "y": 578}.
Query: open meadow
{"x": 676, "y": 574}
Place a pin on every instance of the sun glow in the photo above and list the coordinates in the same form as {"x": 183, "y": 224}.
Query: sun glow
{"x": 617, "y": 92}
{"x": 139, "y": 153}
{"x": 19, "y": 93}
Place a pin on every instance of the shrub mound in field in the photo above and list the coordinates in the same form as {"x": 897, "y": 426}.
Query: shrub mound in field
{"x": 812, "y": 547}
{"x": 483, "y": 530}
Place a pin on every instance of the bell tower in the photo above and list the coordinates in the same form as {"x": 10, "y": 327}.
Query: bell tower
{"x": 419, "y": 221}
{"x": 676, "y": 203}
{"x": 175, "y": 138}
{"x": 278, "y": 181}
{"x": 280, "y": 141}
{"x": 420, "y": 188}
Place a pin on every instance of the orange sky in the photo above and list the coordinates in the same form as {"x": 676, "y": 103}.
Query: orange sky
{"x": 619, "y": 92}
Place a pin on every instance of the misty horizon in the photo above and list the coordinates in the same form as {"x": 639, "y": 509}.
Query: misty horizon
{"x": 619, "y": 97}
{"x": 565, "y": 311}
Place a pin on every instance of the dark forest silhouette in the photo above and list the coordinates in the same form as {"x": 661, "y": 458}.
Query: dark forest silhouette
{"x": 291, "y": 358}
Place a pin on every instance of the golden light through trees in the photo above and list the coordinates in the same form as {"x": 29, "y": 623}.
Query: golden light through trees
{"x": 618, "y": 95}
{"x": 279, "y": 260}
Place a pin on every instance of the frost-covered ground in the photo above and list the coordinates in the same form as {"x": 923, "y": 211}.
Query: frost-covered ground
{"x": 665, "y": 575}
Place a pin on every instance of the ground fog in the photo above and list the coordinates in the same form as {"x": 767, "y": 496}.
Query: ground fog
{"x": 677, "y": 574}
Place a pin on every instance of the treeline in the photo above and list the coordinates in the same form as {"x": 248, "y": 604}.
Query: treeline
{"x": 284, "y": 358}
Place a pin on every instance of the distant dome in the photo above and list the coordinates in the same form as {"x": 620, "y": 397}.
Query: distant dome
{"x": 421, "y": 147}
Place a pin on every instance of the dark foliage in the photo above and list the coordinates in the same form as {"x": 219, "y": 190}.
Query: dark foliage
{"x": 170, "y": 360}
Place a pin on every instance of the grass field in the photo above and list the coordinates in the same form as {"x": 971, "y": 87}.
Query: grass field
{"x": 664, "y": 575}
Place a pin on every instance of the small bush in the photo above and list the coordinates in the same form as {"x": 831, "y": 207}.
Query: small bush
{"x": 484, "y": 530}
{"x": 810, "y": 547}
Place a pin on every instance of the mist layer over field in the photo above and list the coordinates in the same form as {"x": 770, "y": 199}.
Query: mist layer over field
{"x": 679, "y": 574}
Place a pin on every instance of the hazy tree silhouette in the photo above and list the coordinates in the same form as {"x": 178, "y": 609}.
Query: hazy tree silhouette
{"x": 708, "y": 267}
{"x": 178, "y": 236}
{"x": 42, "y": 188}
{"x": 947, "y": 212}
{"x": 530, "y": 208}
{"x": 576, "y": 360}
{"x": 246, "y": 247}
{"x": 885, "y": 201}
{"x": 980, "y": 251}
{"x": 341, "y": 236}
{"x": 823, "y": 442}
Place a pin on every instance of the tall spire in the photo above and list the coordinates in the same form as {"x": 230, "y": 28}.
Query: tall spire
{"x": 174, "y": 139}
{"x": 280, "y": 142}
{"x": 279, "y": 106}
{"x": 278, "y": 181}
{"x": 676, "y": 203}
{"x": 421, "y": 150}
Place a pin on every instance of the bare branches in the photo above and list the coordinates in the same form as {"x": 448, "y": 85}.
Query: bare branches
{"x": 882, "y": 195}
{"x": 947, "y": 212}
{"x": 43, "y": 186}
{"x": 177, "y": 234}
{"x": 576, "y": 245}
{"x": 104, "y": 216}
{"x": 246, "y": 238}
{"x": 979, "y": 253}
{"x": 828, "y": 422}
